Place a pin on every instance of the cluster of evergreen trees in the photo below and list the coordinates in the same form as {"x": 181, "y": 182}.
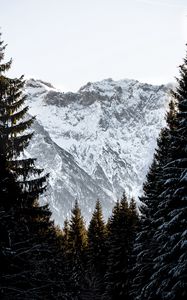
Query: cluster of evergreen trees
{"x": 135, "y": 257}
{"x": 100, "y": 258}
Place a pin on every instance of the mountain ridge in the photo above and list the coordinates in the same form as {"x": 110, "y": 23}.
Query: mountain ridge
{"x": 108, "y": 131}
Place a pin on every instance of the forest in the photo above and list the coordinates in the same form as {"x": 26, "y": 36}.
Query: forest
{"x": 140, "y": 253}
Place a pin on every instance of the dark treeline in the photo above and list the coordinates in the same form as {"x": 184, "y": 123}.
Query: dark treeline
{"x": 137, "y": 255}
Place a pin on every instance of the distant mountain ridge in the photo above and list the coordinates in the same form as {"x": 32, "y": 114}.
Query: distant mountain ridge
{"x": 97, "y": 142}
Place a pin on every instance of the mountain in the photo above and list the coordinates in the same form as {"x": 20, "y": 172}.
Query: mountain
{"x": 95, "y": 143}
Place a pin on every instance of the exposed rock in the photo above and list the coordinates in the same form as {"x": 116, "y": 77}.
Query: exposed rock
{"x": 97, "y": 142}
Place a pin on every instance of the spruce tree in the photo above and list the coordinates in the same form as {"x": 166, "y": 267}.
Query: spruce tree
{"x": 77, "y": 250}
{"x": 77, "y": 233}
{"x": 27, "y": 238}
{"x": 169, "y": 278}
{"x": 97, "y": 255}
{"x": 122, "y": 227}
{"x": 160, "y": 246}
{"x": 145, "y": 246}
{"x": 97, "y": 241}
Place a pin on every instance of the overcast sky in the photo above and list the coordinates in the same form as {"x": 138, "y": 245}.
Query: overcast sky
{"x": 71, "y": 42}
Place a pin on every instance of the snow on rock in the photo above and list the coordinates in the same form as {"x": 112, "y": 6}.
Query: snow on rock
{"x": 97, "y": 142}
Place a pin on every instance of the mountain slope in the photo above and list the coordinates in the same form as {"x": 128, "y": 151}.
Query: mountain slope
{"x": 97, "y": 142}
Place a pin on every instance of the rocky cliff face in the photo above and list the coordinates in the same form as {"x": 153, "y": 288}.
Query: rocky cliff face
{"x": 95, "y": 143}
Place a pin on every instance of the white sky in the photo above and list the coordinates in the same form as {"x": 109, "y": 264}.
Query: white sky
{"x": 71, "y": 42}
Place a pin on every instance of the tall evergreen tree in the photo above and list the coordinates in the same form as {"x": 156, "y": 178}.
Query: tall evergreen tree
{"x": 150, "y": 201}
{"x": 122, "y": 227}
{"x": 77, "y": 233}
{"x": 27, "y": 238}
{"x": 145, "y": 246}
{"x": 161, "y": 260}
{"x": 169, "y": 278}
{"x": 97, "y": 255}
{"x": 77, "y": 250}
{"x": 97, "y": 241}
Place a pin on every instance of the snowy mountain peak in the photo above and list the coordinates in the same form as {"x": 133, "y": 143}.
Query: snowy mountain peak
{"x": 109, "y": 87}
{"x": 101, "y": 139}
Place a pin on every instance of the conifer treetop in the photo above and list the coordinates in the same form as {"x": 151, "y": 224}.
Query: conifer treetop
{"x": 3, "y": 66}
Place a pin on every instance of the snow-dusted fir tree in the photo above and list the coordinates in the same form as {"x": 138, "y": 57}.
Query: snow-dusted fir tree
{"x": 161, "y": 261}
{"x": 170, "y": 263}
{"x": 145, "y": 246}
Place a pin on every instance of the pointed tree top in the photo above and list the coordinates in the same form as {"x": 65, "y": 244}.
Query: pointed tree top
{"x": 4, "y": 66}
{"x": 98, "y": 206}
